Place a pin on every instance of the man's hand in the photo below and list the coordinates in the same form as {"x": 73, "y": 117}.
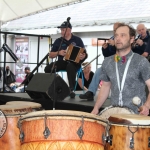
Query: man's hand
{"x": 105, "y": 45}
{"x": 82, "y": 56}
{"x": 95, "y": 111}
{"x": 62, "y": 52}
{"x": 111, "y": 42}
{"x": 144, "y": 110}
{"x": 139, "y": 42}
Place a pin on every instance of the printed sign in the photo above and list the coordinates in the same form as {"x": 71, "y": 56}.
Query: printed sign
{"x": 3, "y": 124}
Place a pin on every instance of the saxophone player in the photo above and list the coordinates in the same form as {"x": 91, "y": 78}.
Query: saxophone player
{"x": 141, "y": 42}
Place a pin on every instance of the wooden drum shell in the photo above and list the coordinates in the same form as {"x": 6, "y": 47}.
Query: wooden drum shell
{"x": 10, "y": 139}
{"x": 63, "y": 134}
{"x": 122, "y": 135}
{"x": 13, "y": 111}
{"x": 121, "y": 128}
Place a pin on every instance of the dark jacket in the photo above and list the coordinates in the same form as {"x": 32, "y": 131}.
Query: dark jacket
{"x": 141, "y": 49}
{"x": 10, "y": 77}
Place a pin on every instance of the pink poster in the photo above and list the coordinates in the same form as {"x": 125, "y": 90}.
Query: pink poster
{"x": 22, "y": 52}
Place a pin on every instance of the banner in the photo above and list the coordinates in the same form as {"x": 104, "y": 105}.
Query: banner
{"x": 22, "y": 52}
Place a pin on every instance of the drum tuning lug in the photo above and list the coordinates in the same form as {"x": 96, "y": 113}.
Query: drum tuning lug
{"x": 148, "y": 141}
{"x": 21, "y": 136}
{"x": 131, "y": 143}
{"x": 110, "y": 139}
{"x": 80, "y": 131}
{"x": 46, "y": 132}
{"x": 132, "y": 138}
{"x": 104, "y": 138}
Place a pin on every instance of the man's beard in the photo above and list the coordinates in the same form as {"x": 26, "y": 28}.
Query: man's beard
{"x": 124, "y": 47}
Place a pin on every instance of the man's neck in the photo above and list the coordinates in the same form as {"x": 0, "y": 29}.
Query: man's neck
{"x": 123, "y": 52}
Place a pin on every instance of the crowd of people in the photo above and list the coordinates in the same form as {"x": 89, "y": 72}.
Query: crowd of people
{"x": 10, "y": 84}
{"x": 125, "y": 70}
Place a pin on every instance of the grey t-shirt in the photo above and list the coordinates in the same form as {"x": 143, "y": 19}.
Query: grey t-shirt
{"x": 138, "y": 72}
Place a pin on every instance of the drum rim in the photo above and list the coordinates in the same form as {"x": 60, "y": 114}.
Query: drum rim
{"x": 127, "y": 124}
{"x": 129, "y": 119}
{"x": 63, "y": 113}
{"x": 115, "y": 106}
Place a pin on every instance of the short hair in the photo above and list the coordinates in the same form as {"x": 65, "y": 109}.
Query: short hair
{"x": 132, "y": 31}
{"x": 27, "y": 68}
{"x": 85, "y": 63}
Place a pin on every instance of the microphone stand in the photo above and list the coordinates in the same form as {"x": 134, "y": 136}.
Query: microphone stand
{"x": 55, "y": 67}
{"x": 35, "y": 69}
{"x": 91, "y": 61}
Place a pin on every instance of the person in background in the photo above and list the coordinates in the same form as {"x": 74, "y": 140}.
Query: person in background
{"x": 27, "y": 72}
{"x": 1, "y": 79}
{"x": 87, "y": 77}
{"x": 69, "y": 66}
{"x": 140, "y": 44}
{"x": 108, "y": 49}
{"x": 148, "y": 49}
{"x": 129, "y": 79}
{"x": 10, "y": 80}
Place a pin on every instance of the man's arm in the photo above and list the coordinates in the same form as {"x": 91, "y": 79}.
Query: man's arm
{"x": 142, "y": 46}
{"x": 102, "y": 96}
{"x": 108, "y": 49}
{"x": 145, "y": 108}
{"x": 54, "y": 54}
{"x": 145, "y": 54}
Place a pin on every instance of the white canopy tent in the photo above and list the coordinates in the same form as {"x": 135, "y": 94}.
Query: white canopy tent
{"x": 14, "y": 9}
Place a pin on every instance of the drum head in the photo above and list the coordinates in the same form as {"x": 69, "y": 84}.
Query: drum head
{"x": 27, "y": 103}
{"x": 107, "y": 112}
{"x": 132, "y": 119}
{"x": 59, "y": 114}
{"x": 15, "y": 109}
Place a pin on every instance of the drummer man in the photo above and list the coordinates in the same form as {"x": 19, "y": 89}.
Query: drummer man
{"x": 125, "y": 74}
{"x": 64, "y": 41}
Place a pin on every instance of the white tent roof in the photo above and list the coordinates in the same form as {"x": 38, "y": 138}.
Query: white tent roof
{"x": 14, "y": 9}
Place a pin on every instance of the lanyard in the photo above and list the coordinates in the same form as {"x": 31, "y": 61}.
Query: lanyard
{"x": 123, "y": 79}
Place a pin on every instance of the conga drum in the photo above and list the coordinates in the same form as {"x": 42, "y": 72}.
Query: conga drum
{"x": 129, "y": 132}
{"x": 13, "y": 111}
{"x": 10, "y": 139}
{"x": 62, "y": 130}
{"x": 33, "y": 105}
{"x": 108, "y": 111}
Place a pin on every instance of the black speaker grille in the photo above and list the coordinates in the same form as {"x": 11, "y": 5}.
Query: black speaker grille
{"x": 46, "y": 85}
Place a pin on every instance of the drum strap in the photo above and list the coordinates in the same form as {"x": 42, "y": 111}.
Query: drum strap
{"x": 123, "y": 79}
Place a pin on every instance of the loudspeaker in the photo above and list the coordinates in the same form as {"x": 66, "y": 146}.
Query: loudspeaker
{"x": 46, "y": 85}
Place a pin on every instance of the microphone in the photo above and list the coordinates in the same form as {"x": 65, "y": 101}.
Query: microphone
{"x": 13, "y": 56}
{"x": 68, "y": 19}
{"x": 7, "y": 49}
{"x": 1, "y": 49}
{"x": 138, "y": 37}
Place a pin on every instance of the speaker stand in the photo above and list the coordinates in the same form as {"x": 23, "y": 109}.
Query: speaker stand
{"x": 54, "y": 100}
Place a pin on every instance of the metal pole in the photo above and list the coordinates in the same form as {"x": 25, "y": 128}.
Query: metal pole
{"x": 97, "y": 54}
{"x": 0, "y": 35}
{"x": 4, "y": 81}
{"x": 38, "y": 51}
